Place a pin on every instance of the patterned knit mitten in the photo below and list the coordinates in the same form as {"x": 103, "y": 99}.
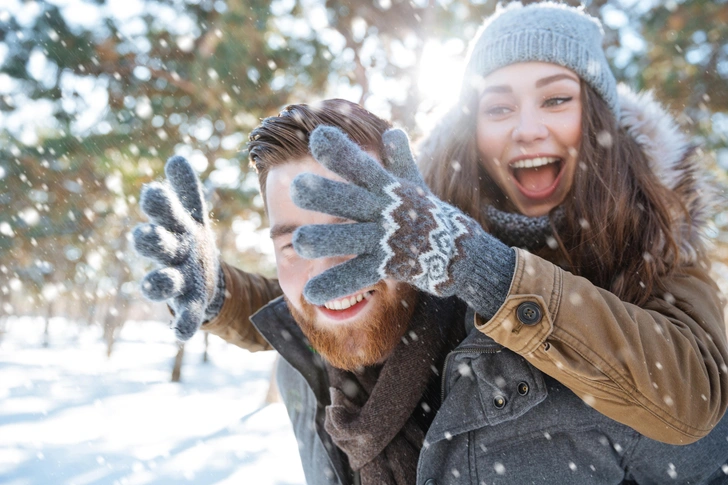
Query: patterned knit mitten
{"x": 181, "y": 240}
{"x": 402, "y": 230}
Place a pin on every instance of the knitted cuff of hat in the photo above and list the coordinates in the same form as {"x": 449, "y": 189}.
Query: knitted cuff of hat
{"x": 218, "y": 298}
{"x": 530, "y": 233}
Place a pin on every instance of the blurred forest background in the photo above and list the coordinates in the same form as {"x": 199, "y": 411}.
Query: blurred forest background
{"x": 95, "y": 95}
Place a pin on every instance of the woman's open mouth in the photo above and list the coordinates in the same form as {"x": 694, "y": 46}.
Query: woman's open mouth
{"x": 537, "y": 177}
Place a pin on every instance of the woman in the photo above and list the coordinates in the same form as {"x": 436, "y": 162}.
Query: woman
{"x": 618, "y": 201}
{"x": 612, "y": 297}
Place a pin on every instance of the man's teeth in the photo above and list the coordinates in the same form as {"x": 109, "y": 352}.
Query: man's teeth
{"x": 534, "y": 162}
{"x": 345, "y": 303}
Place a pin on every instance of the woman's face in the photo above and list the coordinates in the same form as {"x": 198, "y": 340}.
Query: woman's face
{"x": 528, "y": 133}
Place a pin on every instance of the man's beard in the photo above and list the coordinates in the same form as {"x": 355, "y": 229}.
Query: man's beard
{"x": 364, "y": 341}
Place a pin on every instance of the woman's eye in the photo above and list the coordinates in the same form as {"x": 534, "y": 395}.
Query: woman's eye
{"x": 557, "y": 101}
{"x": 497, "y": 110}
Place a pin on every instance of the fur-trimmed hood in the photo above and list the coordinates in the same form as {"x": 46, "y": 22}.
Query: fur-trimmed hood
{"x": 674, "y": 161}
{"x": 670, "y": 154}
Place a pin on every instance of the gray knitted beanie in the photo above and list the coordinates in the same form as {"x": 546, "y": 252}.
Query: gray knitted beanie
{"x": 546, "y": 32}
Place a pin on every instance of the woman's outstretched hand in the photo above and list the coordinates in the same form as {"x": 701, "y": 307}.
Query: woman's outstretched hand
{"x": 401, "y": 230}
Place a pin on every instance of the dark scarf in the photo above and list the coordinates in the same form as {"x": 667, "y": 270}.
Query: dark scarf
{"x": 372, "y": 414}
{"x": 530, "y": 233}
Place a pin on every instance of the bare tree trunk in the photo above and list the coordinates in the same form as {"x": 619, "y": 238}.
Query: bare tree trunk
{"x": 109, "y": 337}
{"x": 204, "y": 354}
{"x": 46, "y": 327}
{"x": 93, "y": 305}
{"x": 273, "y": 394}
{"x": 113, "y": 321}
{"x": 115, "y": 312}
{"x": 177, "y": 369}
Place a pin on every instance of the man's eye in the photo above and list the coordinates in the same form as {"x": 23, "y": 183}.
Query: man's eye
{"x": 557, "y": 101}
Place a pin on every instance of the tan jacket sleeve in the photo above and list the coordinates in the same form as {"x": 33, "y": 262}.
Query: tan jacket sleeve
{"x": 660, "y": 369}
{"x": 245, "y": 294}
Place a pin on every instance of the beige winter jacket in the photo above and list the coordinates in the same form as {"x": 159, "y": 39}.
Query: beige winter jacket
{"x": 661, "y": 369}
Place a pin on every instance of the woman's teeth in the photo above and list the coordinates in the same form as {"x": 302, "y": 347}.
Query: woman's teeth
{"x": 347, "y": 302}
{"x": 534, "y": 162}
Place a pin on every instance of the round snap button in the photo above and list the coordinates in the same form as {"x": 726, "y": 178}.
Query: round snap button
{"x": 431, "y": 481}
{"x": 523, "y": 388}
{"x": 528, "y": 313}
{"x": 499, "y": 402}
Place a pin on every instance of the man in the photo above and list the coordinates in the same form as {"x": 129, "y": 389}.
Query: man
{"x": 387, "y": 334}
{"x": 390, "y": 338}
{"x": 387, "y": 385}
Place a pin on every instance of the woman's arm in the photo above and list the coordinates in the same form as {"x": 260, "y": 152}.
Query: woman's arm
{"x": 660, "y": 369}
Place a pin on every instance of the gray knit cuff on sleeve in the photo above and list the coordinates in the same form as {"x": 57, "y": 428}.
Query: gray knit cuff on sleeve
{"x": 215, "y": 305}
{"x": 488, "y": 275}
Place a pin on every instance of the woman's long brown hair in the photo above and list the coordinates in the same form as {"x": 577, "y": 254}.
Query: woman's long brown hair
{"x": 618, "y": 231}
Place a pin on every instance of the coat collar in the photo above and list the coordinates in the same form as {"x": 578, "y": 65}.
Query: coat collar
{"x": 276, "y": 324}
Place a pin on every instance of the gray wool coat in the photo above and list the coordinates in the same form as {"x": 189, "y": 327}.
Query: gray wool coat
{"x": 501, "y": 421}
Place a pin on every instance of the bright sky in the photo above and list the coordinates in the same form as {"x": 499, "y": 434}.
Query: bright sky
{"x": 439, "y": 79}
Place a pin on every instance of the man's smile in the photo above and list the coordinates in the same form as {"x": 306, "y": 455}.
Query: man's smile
{"x": 347, "y": 307}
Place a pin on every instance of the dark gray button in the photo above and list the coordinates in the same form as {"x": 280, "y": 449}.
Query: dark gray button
{"x": 528, "y": 313}
{"x": 499, "y": 402}
{"x": 431, "y": 481}
{"x": 523, "y": 388}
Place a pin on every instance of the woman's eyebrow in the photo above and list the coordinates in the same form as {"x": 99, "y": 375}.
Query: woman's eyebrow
{"x": 556, "y": 77}
{"x": 501, "y": 88}
{"x": 504, "y": 88}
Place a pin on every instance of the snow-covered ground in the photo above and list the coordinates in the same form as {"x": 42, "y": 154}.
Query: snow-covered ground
{"x": 69, "y": 415}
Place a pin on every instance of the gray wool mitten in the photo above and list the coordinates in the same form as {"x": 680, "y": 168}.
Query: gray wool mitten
{"x": 181, "y": 240}
{"x": 402, "y": 230}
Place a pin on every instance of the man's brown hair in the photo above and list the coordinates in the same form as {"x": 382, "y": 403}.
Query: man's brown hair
{"x": 284, "y": 138}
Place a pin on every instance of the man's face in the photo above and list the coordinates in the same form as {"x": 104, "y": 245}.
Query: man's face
{"x": 355, "y": 331}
